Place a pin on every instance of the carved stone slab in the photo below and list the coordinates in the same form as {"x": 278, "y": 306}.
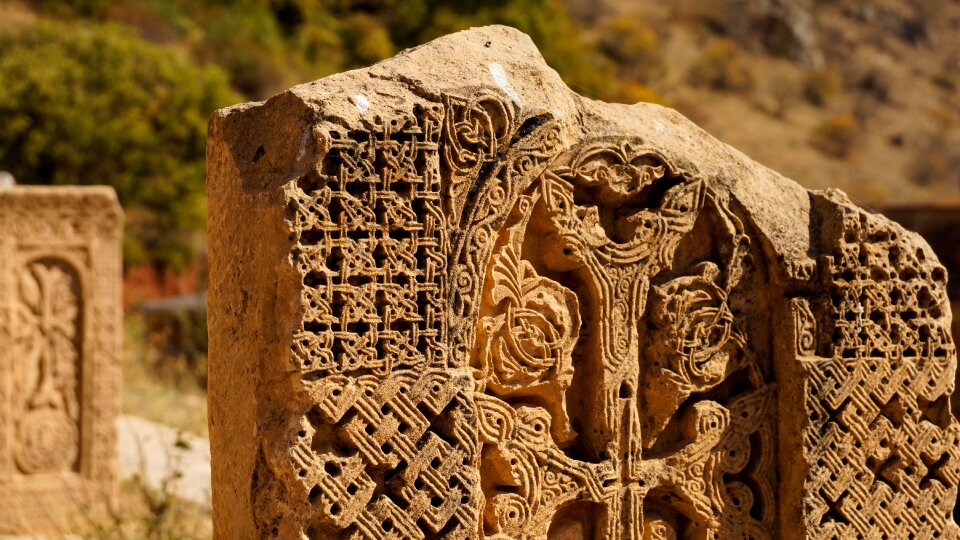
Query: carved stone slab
{"x": 450, "y": 298}
{"x": 60, "y": 350}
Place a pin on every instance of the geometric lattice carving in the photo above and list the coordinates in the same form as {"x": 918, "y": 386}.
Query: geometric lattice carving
{"x": 879, "y": 432}
{"x": 59, "y": 354}
{"x": 451, "y": 299}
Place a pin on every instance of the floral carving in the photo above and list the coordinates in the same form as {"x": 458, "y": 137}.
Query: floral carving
{"x": 520, "y": 456}
{"x": 537, "y": 330}
{"x": 526, "y": 345}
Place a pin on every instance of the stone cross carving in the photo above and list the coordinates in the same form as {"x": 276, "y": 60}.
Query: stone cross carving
{"x": 452, "y": 299}
{"x": 60, "y": 350}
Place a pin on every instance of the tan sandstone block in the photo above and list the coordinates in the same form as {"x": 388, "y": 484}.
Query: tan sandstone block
{"x": 450, "y": 298}
{"x": 60, "y": 350}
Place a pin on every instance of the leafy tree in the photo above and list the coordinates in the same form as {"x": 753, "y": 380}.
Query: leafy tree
{"x": 92, "y": 103}
{"x": 561, "y": 41}
{"x": 119, "y": 91}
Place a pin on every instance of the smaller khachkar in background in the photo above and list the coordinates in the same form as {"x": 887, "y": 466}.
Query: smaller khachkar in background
{"x": 60, "y": 346}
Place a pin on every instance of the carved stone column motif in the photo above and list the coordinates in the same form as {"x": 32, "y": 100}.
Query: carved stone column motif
{"x": 452, "y": 299}
{"x": 60, "y": 346}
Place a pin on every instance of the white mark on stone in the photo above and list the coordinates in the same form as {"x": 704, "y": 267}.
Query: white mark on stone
{"x": 362, "y": 103}
{"x": 7, "y": 180}
{"x": 500, "y": 77}
{"x": 303, "y": 145}
{"x": 659, "y": 127}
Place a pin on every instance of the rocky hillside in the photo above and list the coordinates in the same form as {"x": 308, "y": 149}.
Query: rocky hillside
{"x": 864, "y": 96}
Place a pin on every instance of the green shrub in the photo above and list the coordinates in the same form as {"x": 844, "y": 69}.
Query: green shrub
{"x": 820, "y": 86}
{"x": 947, "y": 80}
{"x": 92, "y": 103}
{"x": 837, "y": 136}
{"x": 367, "y": 39}
{"x": 249, "y": 45}
{"x": 632, "y": 92}
{"x": 634, "y": 45}
{"x": 89, "y": 8}
{"x": 781, "y": 91}
{"x": 722, "y": 66}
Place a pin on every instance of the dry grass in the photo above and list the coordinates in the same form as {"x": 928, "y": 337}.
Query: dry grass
{"x": 149, "y": 514}
{"x": 142, "y": 511}
{"x": 177, "y": 402}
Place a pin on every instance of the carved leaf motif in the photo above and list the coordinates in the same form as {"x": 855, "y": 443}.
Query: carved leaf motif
{"x": 30, "y": 341}
{"x": 508, "y": 273}
{"x": 30, "y": 292}
{"x": 496, "y": 420}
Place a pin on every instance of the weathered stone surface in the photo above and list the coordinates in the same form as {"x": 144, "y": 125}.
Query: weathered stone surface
{"x": 452, "y": 299}
{"x": 60, "y": 350}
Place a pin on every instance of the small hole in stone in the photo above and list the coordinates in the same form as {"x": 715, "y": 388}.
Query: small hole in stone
{"x": 258, "y": 154}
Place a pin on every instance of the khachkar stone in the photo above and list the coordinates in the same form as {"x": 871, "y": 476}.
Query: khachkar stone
{"x": 60, "y": 349}
{"x": 450, "y": 298}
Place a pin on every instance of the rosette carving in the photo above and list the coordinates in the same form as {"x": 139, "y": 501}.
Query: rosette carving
{"x": 535, "y": 334}
{"x": 694, "y": 326}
